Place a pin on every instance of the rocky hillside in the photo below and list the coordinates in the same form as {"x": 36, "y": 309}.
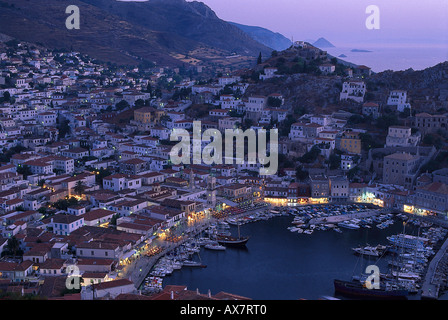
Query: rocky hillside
{"x": 168, "y": 32}
{"x": 310, "y": 92}
{"x": 191, "y": 20}
{"x": 427, "y": 89}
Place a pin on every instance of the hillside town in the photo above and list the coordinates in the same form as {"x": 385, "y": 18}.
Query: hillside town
{"x": 87, "y": 182}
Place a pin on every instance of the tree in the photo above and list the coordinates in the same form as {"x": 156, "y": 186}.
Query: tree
{"x": 311, "y": 155}
{"x": 368, "y": 142}
{"x": 301, "y": 174}
{"x": 387, "y": 120}
{"x": 79, "y": 188}
{"x": 6, "y": 96}
{"x": 63, "y": 204}
{"x": 274, "y": 102}
{"x": 101, "y": 174}
{"x": 13, "y": 245}
{"x": 260, "y": 59}
{"x": 113, "y": 220}
{"x": 25, "y": 170}
{"x": 285, "y": 126}
{"x": 149, "y": 88}
{"x": 122, "y": 105}
{"x": 63, "y": 128}
{"x": 351, "y": 174}
{"x": 42, "y": 210}
{"x": 139, "y": 103}
{"x": 334, "y": 161}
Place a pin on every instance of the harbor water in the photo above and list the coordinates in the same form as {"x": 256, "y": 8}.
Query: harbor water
{"x": 277, "y": 264}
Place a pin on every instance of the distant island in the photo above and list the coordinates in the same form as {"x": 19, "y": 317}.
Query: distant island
{"x": 323, "y": 43}
{"x": 342, "y": 56}
{"x": 360, "y": 50}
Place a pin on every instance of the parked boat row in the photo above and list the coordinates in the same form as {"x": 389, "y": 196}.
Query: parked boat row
{"x": 303, "y": 216}
{"x": 180, "y": 257}
{"x": 258, "y": 216}
{"x": 407, "y": 266}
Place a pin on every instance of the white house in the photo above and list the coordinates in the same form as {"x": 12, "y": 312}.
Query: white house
{"x": 269, "y": 73}
{"x": 400, "y": 136}
{"x": 398, "y": 98}
{"x": 65, "y": 224}
{"x": 327, "y": 68}
{"x": 354, "y": 90}
{"x": 47, "y": 118}
{"x": 119, "y": 182}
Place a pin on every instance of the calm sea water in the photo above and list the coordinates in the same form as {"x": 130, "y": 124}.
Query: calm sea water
{"x": 280, "y": 265}
{"x": 394, "y": 57}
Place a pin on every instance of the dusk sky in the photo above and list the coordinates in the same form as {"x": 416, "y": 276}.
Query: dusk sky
{"x": 403, "y": 21}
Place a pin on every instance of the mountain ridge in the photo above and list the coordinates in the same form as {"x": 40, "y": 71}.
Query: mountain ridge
{"x": 274, "y": 40}
{"x": 123, "y": 40}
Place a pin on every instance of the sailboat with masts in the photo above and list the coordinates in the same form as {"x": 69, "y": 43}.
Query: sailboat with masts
{"x": 230, "y": 241}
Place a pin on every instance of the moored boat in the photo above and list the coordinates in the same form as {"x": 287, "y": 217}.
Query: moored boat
{"x": 191, "y": 263}
{"x": 357, "y": 289}
{"x": 348, "y": 225}
{"x": 232, "y": 241}
{"x": 215, "y": 246}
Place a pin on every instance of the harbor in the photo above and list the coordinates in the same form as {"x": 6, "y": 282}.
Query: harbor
{"x": 344, "y": 238}
{"x": 291, "y": 273}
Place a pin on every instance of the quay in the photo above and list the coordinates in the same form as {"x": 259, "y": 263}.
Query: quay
{"x": 431, "y": 284}
{"x": 345, "y": 217}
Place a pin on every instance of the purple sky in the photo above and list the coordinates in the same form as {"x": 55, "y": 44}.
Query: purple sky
{"x": 343, "y": 21}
